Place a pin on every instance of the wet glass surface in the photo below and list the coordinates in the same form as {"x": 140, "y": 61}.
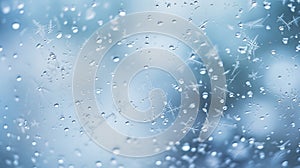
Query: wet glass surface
{"x": 258, "y": 46}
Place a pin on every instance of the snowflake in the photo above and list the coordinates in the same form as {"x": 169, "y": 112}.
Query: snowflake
{"x": 288, "y": 24}
{"x": 254, "y": 75}
{"x": 252, "y": 45}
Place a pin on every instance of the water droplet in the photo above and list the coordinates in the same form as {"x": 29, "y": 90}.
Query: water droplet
{"x": 285, "y": 40}
{"x": 242, "y": 49}
{"x": 56, "y": 105}
{"x": 5, "y": 8}
{"x": 15, "y": 25}
{"x": 259, "y": 145}
{"x": 60, "y": 161}
{"x": 267, "y": 5}
{"x": 202, "y": 71}
{"x": 75, "y": 29}
{"x": 90, "y": 14}
{"x": 98, "y": 164}
{"x": 285, "y": 163}
{"x": 171, "y": 47}
{"x": 204, "y": 95}
{"x": 20, "y": 6}
{"x": 116, "y": 59}
{"x": 122, "y": 13}
{"x": 8, "y": 148}
{"x": 234, "y": 144}
{"x": 59, "y": 35}
{"x": 185, "y": 147}
{"x": 160, "y": 23}
{"x": 273, "y": 52}
{"x": 158, "y": 163}
{"x": 66, "y": 129}
{"x": 33, "y": 143}
{"x": 19, "y": 78}
{"x": 36, "y": 154}
{"x": 192, "y": 105}
{"x": 116, "y": 151}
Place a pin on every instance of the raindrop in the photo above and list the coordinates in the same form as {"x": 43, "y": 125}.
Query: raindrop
{"x": 60, "y": 161}
{"x": 15, "y": 25}
{"x": 19, "y": 78}
{"x": 122, "y": 13}
{"x": 116, "y": 59}
{"x": 116, "y": 151}
{"x": 56, "y": 105}
{"x": 204, "y": 95}
{"x": 59, "y": 35}
{"x": 160, "y": 23}
{"x": 5, "y": 9}
{"x": 75, "y": 29}
{"x": 234, "y": 144}
{"x": 273, "y": 52}
{"x": 242, "y": 49}
{"x": 36, "y": 154}
{"x": 285, "y": 40}
{"x": 202, "y": 71}
{"x": 8, "y": 148}
{"x": 185, "y": 147}
{"x": 285, "y": 163}
{"x": 267, "y": 5}
{"x": 171, "y": 47}
{"x": 158, "y": 163}
{"x": 15, "y": 55}
{"x": 98, "y": 164}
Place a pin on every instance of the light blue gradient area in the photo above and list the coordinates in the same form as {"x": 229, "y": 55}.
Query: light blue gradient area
{"x": 38, "y": 125}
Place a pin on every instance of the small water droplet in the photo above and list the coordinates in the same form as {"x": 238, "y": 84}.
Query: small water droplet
{"x": 19, "y": 78}
{"x": 116, "y": 151}
{"x": 33, "y": 143}
{"x": 285, "y": 163}
{"x": 75, "y": 29}
{"x": 60, "y": 161}
{"x": 116, "y": 59}
{"x": 267, "y": 5}
{"x": 15, "y": 25}
{"x": 285, "y": 40}
{"x": 202, "y": 71}
{"x": 59, "y": 35}
{"x": 158, "y": 163}
{"x": 242, "y": 49}
{"x": 185, "y": 147}
{"x": 160, "y": 23}
{"x": 234, "y": 144}
{"x": 56, "y": 105}
{"x": 172, "y": 47}
{"x": 98, "y": 164}
{"x": 122, "y": 13}
{"x": 204, "y": 95}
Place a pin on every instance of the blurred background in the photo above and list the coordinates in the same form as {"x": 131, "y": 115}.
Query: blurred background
{"x": 258, "y": 42}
